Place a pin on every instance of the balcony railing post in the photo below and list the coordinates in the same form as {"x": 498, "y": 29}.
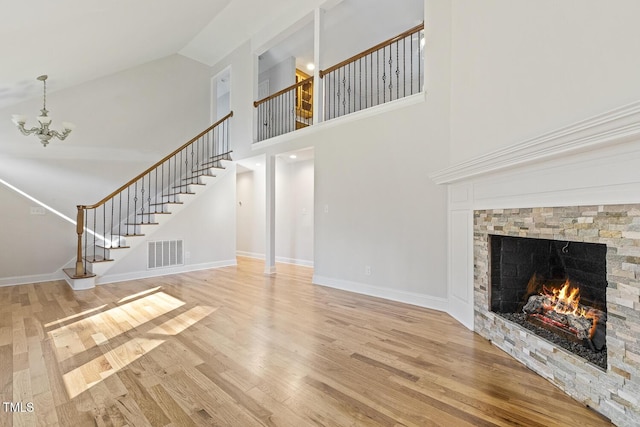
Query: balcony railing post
{"x": 79, "y": 231}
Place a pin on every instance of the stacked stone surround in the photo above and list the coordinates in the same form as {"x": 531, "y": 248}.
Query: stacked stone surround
{"x": 615, "y": 392}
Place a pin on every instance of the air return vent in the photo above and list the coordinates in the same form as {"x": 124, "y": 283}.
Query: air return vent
{"x": 165, "y": 253}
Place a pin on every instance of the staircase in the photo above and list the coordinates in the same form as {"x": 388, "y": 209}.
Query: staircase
{"x": 108, "y": 230}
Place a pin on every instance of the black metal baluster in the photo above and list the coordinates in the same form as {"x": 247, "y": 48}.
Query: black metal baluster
{"x": 397, "y": 71}
{"x": 378, "y": 76}
{"x": 111, "y": 227}
{"x": 119, "y": 217}
{"x": 135, "y": 206}
{"x": 104, "y": 231}
{"x": 155, "y": 192}
{"x": 149, "y": 197}
{"x": 420, "y": 79}
{"x": 94, "y": 233}
{"x": 86, "y": 237}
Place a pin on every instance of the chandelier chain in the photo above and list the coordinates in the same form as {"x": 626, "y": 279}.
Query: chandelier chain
{"x": 44, "y": 98}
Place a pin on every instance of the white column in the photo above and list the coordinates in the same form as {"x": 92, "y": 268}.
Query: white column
{"x": 270, "y": 210}
{"x": 318, "y": 24}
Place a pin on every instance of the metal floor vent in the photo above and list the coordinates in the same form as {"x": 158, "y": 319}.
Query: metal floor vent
{"x": 165, "y": 253}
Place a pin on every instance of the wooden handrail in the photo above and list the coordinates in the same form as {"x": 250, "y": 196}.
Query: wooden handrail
{"x": 372, "y": 49}
{"x": 280, "y": 92}
{"x": 124, "y": 187}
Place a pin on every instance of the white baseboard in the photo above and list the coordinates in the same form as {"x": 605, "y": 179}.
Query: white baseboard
{"x": 113, "y": 278}
{"x": 420, "y": 300}
{"x": 284, "y": 260}
{"x": 250, "y": 254}
{"x": 38, "y": 278}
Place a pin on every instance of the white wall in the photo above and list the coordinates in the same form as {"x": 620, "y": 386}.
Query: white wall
{"x": 41, "y": 240}
{"x": 125, "y": 122}
{"x": 373, "y": 173}
{"x": 521, "y": 68}
{"x": 280, "y": 75}
{"x": 294, "y": 211}
{"x": 250, "y": 237}
{"x": 207, "y": 226}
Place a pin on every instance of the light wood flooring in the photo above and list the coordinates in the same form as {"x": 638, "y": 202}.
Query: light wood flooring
{"x": 233, "y": 347}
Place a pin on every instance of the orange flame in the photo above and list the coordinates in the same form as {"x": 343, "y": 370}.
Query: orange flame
{"x": 566, "y": 300}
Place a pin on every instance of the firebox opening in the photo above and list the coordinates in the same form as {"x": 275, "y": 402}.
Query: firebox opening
{"x": 528, "y": 275}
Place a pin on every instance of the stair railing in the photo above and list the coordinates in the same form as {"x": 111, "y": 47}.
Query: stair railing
{"x": 106, "y": 224}
{"x": 280, "y": 113}
{"x": 388, "y": 71}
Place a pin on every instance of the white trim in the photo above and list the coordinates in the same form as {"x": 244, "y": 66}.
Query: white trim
{"x": 254, "y": 255}
{"x": 37, "y": 278}
{"x": 280, "y": 259}
{"x": 420, "y": 300}
{"x": 113, "y": 278}
{"x": 612, "y": 127}
{"x": 347, "y": 118}
{"x": 294, "y": 261}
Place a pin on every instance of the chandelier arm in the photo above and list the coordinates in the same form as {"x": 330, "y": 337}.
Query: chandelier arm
{"x": 61, "y": 136}
{"x": 25, "y": 131}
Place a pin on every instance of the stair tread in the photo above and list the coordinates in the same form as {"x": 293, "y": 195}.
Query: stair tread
{"x": 71, "y": 272}
{"x": 155, "y": 213}
{"x": 166, "y": 203}
{"x": 113, "y": 247}
{"x": 222, "y": 156}
{"x": 177, "y": 194}
{"x": 188, "y": 183}
{"x": 199, "y": 175}
{"x": 207, "y": 168}
{"x": 133, "y": 235}
{"x": 141, "y": 223}
{"x": 97, "y": 259}
{"x": 212, "y": 163}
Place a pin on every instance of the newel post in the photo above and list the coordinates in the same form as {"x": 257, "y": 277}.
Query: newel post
{"x": 80, "y": 230}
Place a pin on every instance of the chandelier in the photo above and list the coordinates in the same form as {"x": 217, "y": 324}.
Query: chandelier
{"x": 43, "y": 132}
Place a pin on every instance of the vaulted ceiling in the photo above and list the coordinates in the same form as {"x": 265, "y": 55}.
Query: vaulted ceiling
{"x": 74, "y": 41}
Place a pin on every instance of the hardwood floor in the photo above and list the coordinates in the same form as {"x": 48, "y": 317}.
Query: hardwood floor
{"x": 232, "y": 347}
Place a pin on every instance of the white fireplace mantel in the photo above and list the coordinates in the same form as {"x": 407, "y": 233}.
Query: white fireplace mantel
{"x": 604, "y": 130}
{"x": 592, "y": 162}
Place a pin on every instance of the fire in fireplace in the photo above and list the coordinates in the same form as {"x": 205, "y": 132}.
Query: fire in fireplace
{"x": 556, "y": 289}
{"x": 559, "y": 310}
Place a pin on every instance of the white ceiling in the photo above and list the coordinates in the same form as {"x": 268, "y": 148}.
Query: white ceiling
{"x": 74, "y": 41}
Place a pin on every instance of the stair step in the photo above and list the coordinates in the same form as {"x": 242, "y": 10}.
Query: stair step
{"x": 71, "y": 272}
{"x": 166, "y": 203}
{"x": 213, "y": 164}
{"x": 179, "y": 193}
{"x": 199, "y": 175}
{"x": 206, "y": 169}
{"x": 133, "y": 235}
{"x": 223, "y": 156}
{"x": 97, "y": 258}
{"x": 112, "y": 248}
{"x": 155, "y": 213}
{"x": 187, "y": 184}
{"x": 141, "y": 223}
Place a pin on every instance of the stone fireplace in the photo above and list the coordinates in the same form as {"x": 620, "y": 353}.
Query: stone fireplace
{"x": 611, "y": 388}
{"x": 579, "y": 184}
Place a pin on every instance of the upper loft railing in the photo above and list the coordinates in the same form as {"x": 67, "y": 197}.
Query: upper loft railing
{"x": 388, "y": 71}
{"x": 385, "y": 72}
{"x": 286, "y": 110}
{"x": 106, "y": 224}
